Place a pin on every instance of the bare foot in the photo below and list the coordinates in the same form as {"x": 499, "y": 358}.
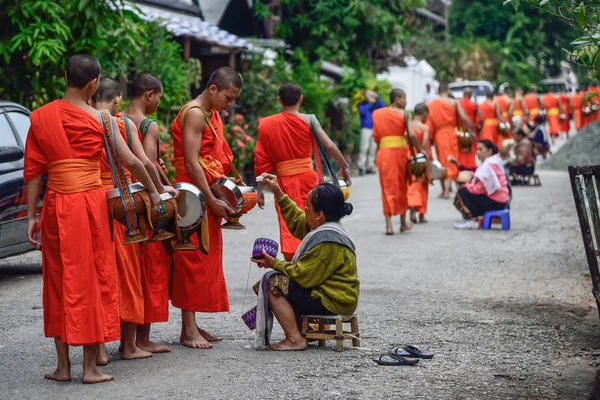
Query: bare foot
{"x": 102, "y": 357}
{"x": 288, "y": 345}
{"x": 413, "y": 216}
{"x": 195, "y": 341}
{"x": 95, "y": 377}
{"x": 208, "y": 336}
{"x": 136, "y": 354}
{"x": 406, "y": 227}
{"x": 153, "y": 347}
{"x": 422, "y": 219}
{"x": 60, "y": 376}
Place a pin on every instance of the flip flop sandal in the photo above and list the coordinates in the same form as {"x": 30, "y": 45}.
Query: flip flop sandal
{"x": 412, "y": 351}
{"x": 395, "y": 360}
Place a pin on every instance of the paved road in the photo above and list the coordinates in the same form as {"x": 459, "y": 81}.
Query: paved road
{"x": 509, "y": 315}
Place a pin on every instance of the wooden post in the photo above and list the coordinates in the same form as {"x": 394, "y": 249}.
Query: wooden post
{"x": 186, "y": 48}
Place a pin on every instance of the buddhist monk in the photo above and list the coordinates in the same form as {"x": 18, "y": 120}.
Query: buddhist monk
{"x": 565, "y": 125}
{"x": 532, "y": 104}
{"x": 201, "y": 159}
{"x": 80, "y": 291}
{"x": 146, "y": 90}
{"x": 390, "y": 134}
{"x": 553, "y": 109}
{"x": 490, "y": 112}
{"x": 444, "y": 115}
{"x": 517, "y": 107}
{"x": 418, "y": 192}
{"x": 576, "y": 101}
{"x": 467, "y": 159}
{"x": 108, "y": 97}
{"x": 284, "y": 146}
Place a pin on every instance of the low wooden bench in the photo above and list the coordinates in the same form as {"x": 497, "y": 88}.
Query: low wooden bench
{"x": 532, "y": 180}
{"x": 324, "y": 333}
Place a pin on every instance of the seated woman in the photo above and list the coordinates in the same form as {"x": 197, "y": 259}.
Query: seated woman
{"x": 487, "y": 191}
{"x": 322, "y": 278}
{"x": 539, "y": 138}
{"x": 524, "y": 162}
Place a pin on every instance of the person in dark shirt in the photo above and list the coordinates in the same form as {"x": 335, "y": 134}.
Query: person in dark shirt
{"x": 366, "y": 158}
{"x": 539, "y": 137}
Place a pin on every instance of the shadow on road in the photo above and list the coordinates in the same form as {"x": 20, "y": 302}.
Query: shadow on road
{"x": 8, "y": 272}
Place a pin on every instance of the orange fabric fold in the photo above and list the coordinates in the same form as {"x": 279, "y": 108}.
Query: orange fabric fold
{"x": 442, "y": 126}
{"x": 293, "y": 167}
{"x": 74, "y": 175}
{"x": 213, "y": 168}
{"x": 418, "y": 192}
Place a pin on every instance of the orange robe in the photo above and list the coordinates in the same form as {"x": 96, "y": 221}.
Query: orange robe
{"x": 595, "y": 100}
{"x": 519, "y": 110}
{"x": 198, "y": 280}
{"x": 389, "y": 133}
{"x": 442, "y": 126}
{"x": 550, "y": 103}
{"x": 467, "y": 160}
{"x": 504, "y": 106}
{"x": 418, "y": 192}
{"x": 284, "y": 146}
{"x": 80, "y": 293}
{"x": 127, "y": 256}
{"x": 490, "y": 122}
{"x": 565, "y": 126}
{"x": 577, "y": 104}
{"x": 532, "y": 105}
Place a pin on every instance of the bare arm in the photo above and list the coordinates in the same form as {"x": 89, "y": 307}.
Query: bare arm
{"x": 561, "y": 109}
{"x": 336, "y": 154}
{"x": 33, "y": 193}
{"x": 425, "y": 137}
{"x": 151, "y": 142}
{"x": 511, "y": 109}
{"x": 498, "y": 113}
{"x": 192, "y": 143}
{"x": 413, "y": 137}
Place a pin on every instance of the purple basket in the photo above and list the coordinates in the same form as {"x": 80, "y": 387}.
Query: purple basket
{"x": 268, "y": 245}
{"x": 250, "y": 318}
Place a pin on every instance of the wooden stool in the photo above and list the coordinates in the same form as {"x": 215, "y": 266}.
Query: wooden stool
{"x": 324, "y": 333}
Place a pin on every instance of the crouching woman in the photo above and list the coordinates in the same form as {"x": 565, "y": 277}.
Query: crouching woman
{"x": 321, "y": 279}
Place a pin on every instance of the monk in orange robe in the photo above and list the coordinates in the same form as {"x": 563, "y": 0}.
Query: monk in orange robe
{"x": 517, "y": 108}
{"x": 284, "y": 146}
{"x": 532, "y": 104}
{"x": 418, "y": 192}
{"x": 565, "y": 125}
{"x": 108, "y": 97}
{"x": 391, "y": 135}
{"x": 146, "y": 91}
{"x": 503, "y": 103}
{"x": 80, "y": 292}
{"x": 595, "y": 102}
{"x": 576, "y": 100}
{"x": 553, "y": 109}
{"x": 444, "y": 114}
{"x": 467, "y": 159}
{"x": 490, "y": 112}
{"x": 201, "y": 159}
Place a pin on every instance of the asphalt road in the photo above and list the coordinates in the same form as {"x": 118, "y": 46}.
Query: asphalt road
{"x": 509, "y": 315}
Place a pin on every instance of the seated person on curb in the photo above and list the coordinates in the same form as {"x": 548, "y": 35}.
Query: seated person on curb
{"x": 487, "y": 191}
{"x": 524, "y": 162}
{"x": 322, "y": 278}
{"x": 539, "y": 137}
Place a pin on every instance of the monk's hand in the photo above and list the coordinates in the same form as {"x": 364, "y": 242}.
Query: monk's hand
{"x": 237, "y": 181}
{"x": 220, "y": 208}
{"x": 155, "y": 199}
{"x": 162, "y": 165}
{"x": 34, "y": 233}
{"x": 172, "y": 191}
{"x": 345, "y": 173}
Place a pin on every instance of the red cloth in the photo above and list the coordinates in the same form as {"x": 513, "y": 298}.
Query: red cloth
{"x": 577, "y": 104}
{"x": 198, "y": 279}
{"x": 490, "y": 129}
{"x": 467, "y": 160}
{"x": 532, "y": 105}
{"x": 283, "y": 137}
{"x": 550, "y": 103}
{"x": 565, "y": 126}
{"x": 391, "y": 162}
{"x": 80, "y": 292}
{"x": 442, "y": 126}
{"x": 418, "y": 192}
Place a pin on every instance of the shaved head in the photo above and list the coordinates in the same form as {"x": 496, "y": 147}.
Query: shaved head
{"x": 397, "y": 93}
{"x": 421, "y": 109}
{"x": 145, "y": 82}
{"x": 108, "y": 89}
{"x": 489, "y": 95}
{"x": 81, "y": 69}
{"x": 468, "y": 93}
{"x": 443, "y": 88}
{"x": 223, "y": 78}
{"x": 290, "y": 94}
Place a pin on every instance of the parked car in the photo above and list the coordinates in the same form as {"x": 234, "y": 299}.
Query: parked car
{"x": 14, "y": 125}
{"x": 479, "y": 88}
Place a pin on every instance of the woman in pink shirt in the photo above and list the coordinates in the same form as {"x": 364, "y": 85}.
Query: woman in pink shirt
{"x": 487, "y": 191}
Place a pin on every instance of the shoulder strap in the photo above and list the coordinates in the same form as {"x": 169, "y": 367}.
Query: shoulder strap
{"x": 126, "y": 120}
{"x": 145, "y": 125}
{"x": 314, "y": 124}
{"x": 410, "y": 144}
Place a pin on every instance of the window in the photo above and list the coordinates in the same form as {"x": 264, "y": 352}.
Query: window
{"x": 21, "y": 123}
{"x": 7, "y": 136}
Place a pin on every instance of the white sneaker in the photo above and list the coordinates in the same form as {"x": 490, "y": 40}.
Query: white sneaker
{"x": 467, "y": 224}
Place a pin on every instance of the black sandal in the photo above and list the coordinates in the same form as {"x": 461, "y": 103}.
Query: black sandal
{"x": 412, "y": 351}
{"x": 396, "y": 360}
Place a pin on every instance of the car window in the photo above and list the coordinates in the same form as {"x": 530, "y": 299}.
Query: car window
{"x": 7, "y": 137}
{"x": 21, "y": 123}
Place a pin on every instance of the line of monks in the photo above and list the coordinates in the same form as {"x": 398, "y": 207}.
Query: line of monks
{"x": 399, "y": 136}
{"x": 97, "y": 289}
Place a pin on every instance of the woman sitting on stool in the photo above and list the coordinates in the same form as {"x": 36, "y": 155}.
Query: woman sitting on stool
{"x": 524, "y": 162}
{"x": 487, "y": 191}
{"x": 322, "y": 278}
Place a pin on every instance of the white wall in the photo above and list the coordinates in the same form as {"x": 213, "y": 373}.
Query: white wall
{"x": 412, "y": 79}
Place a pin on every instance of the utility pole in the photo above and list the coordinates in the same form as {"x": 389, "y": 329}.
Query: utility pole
{"x": 447, "y": 4}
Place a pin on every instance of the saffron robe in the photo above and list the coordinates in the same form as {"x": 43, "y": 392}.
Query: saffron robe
{"x": 127, "y": 256}
{"x": 550, "y": 103}
{"x": 198, "y": 280}
{"x": 80, "y": 292}
{"x": 490, "y": 122}
{"x": 418, "y": 192}
{"x": 284, "y": 147}
{"x": 391, "y": 161}
{"x": 442, "y": 126}
{"x": 504, "y": 107}
{"x": 565, "y": 126}
{"x": 532, "y": 105}
{"x": 577, "y": 104}
{"x": 467, "y": 160}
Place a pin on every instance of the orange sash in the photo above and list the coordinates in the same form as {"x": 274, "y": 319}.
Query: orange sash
{"x": 74, "y": 175}
{"x": 294, "y": 167}
{"x": 213, "y": 167}
{"x": 491, "y": 122}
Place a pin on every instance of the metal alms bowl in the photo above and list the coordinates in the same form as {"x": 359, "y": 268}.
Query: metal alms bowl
{"x": 230, "y": 193}
{"x": 191, "y": 205}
